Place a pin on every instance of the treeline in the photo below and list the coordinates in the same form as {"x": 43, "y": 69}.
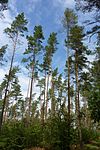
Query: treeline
{"x": 67, "y": 106}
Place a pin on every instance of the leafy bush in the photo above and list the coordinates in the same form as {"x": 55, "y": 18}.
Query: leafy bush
{"x": 88, "y": 135}
{"x": 52, "y": 135}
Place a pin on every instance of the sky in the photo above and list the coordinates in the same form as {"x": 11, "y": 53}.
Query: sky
{"x": 47, "y": 13}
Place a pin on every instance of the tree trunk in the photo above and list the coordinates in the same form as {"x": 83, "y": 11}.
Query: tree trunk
{"x": 31, "y": 90}
{"x": 77, "y": 100}
{"x": 47, "y": 96}
{"x": 68, "y": 63}
{"x": 52, "y": 99}
{"x": 43, "y": 109}
{"x": 9, "y": 76}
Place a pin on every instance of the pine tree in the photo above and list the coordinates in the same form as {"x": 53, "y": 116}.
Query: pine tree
{"x": 15, "y": 96}
{"x": 53, "y": 91}
{"x": 80, "y": 60}
{"x": 87, "y": 6}
{"x": 94, "y": 94}
{"x": 70, "y": 19}
{"x": 50, "y": 49}
{"x": 17, "y": 29}
{"x": 13, "y": 90}
{"x": 34, "y": 48}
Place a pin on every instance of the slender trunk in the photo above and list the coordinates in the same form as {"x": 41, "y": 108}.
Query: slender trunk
{"x": 68, "y": 63}
{"x": 28, "y": 89}
{"x": 52, "y": 99}
{"x": 43, "y": 104}
{"x": 15, "y": 113}
{"x": 47, "y": 96}
{"x": 77, "y": 100}
{"x": 86, "y": 112}
{"x": 30, "y": 97}
{"x": 6, "y": 105}
{"x": 9, "y": 76}
{"x": 40, "y": 99}
{"x": 60, "y": 98}
{"x": 68, "y": 90}
{"x": 42, "y": 114}
{"x": 6, "y": 109}
{"x": 41, "y": 107}
{"x": 31, "y": 90}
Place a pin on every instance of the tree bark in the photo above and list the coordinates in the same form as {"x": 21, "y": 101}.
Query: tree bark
{"x": 68, "y": 63}
{"x": 77, "y": 101}
{"x": 31, "y": 87}
{"x": 9, "y": 76}
{"x": 47, "y": 95}
{"x": 52, "y": 99}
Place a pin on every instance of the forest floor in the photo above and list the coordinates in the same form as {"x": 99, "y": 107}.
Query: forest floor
{"x": 93, "y": 145}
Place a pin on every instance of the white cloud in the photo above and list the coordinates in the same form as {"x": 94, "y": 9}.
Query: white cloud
{"x": 2, "y": 73}
{"x": 31, "y": 5}
{"x": 12, "y": 7}
{"x": 4, "y": 23}
{"x": 64, "y": 3}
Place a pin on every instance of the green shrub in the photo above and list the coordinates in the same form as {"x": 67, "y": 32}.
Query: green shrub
{"x": 88, "y": 135}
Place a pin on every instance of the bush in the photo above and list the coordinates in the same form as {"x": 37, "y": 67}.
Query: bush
{"x": 88, "y": 135}
{"x": 52, "y": 135}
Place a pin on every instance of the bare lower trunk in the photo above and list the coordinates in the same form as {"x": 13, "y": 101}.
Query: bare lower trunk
{"x": 9, "y": 76}
{"x": 44, "y": 102}
{"x": 47, "y": 96}
{"x": 52, "y": 99}
{"x": 42, "y": 114}
{"x": 28, "y": 89}
{"x": 31, "y": 90}
{"x": 77, "y": 101}
{"x": 68, "y": 63}
{"x": 68, "y": 104}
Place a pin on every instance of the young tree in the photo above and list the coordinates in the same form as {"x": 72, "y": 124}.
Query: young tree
{"x": 14, "y": 89}
{"x": 15, "y": 96}
{"x": 17, "y": 29}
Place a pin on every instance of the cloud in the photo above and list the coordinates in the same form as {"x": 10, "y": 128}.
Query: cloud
{"x": 31, "y": 5}
{"x": 4, "y": 23}
{"x": 13, "y": 7}
{"x": 64, "y": 3}
{"x": 3, "y": 71}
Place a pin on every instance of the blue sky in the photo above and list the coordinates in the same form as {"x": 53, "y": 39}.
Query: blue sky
{"x": 47, "y": 13}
